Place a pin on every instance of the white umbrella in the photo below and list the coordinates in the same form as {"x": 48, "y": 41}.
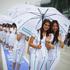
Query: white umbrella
{"x": 18, "y": 10}
{"x": 32, "y": 18}
{"x": 5, "y": 19}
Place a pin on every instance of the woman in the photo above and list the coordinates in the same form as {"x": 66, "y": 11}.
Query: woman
{"x": 18, "y": 51}
{"x": 12, "y": 35}
{"x": 38, "y": 48}
{"x": 7, "y": 35}
{"x": 57, "y": 41}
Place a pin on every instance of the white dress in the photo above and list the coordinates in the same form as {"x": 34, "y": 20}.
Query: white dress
{"x": 12, "y": 38}
{"x": 3, "y": 36}
{"x": 7, "y": 37}
{"x": 56, "y": 55}
{"x": 53, "y": 56}
{"x": 18, "y": 50}
{"x": 38, "y": 57}
{"x": 50, "y": 55}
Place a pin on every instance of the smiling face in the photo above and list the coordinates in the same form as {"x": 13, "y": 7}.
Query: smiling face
{"x": 55, "y": 27}
{"x": 46, "y": 26}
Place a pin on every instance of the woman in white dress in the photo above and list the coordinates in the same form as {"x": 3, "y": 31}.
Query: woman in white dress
{"x": 58, "y": 43}
{"x": 12, "y": 36}
{"x": 18, "y": 51}
{"x": 38, "y": 47}
{"x": 7, "y": 35}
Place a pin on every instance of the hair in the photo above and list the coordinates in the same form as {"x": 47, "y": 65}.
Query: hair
{"x": 41, "y": 29}
{"x": 3, "y": 25}
{"x": 0, "y": 24}
{"x": 7, "y": 25}
{"x": 14, "y": 25}
{"x": 56, "y": 34}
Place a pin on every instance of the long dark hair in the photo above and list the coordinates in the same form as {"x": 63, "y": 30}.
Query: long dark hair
{"x": 56, "y": 34}
{"x": 41, "y": 29}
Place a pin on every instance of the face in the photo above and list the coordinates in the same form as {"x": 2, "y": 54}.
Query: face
{"x": 4, "y": 28}
{"x": 46, "y": 26}
{"x": 19, "y": 36}
{"x": 55, "y": 27}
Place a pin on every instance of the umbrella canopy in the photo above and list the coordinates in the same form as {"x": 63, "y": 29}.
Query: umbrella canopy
{"x": 32, "y": 18}
{"x": 18, "y": 10}
{"x": 5, "y": 19}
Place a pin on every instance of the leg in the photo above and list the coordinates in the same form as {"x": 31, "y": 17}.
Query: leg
{"x": 13, "y": 65}
{"x": 17, "y": 66}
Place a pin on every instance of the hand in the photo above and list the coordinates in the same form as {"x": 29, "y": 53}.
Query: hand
{"x": 47, "y": 40}
{"x": 59, "y": 38}
{"x": 49, "y": 46}
{"x": 39, "y": 46}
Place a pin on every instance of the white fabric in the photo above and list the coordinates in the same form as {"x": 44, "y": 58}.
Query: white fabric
{"x": 38, "y": 57}
{"x": 18, "y": 50}
{"x": 12, "y": 38}
{"x": 7, "y": 37}
{"x": 53, "y": 56}
{"x": 19, "y": 15}
{"x": 3, "y": 36}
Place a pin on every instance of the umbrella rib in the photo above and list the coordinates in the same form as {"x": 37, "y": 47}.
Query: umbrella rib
{"x": 34, "y": 13}
{"x": 62, "y": 28}
{"x": 26, "y": 13}
{"x": 39, "y": 11}
{"x": 27, "y": 21}
{"x": 38, "y": 22}
{"x": 46, "y": 11}
{"x": 52, "y": 15}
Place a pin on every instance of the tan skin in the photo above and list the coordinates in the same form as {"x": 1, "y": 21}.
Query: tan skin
{"x": 49, "y": 45}
{"x": 30, "y": 42}
{"x": 55, "y": 28}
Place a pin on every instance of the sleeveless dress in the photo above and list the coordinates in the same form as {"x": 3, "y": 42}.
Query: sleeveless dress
{"x": 56, "y": 55}
{"x": 38, "y": 57}
{"x": 18, "y": 50}
{"x": 12, "y": 38}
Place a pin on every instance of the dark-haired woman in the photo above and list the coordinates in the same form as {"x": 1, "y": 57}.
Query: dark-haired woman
{"x": 57, "y": 41}
{"x": 12, "y": 36}
{"x": 38, "y": 47}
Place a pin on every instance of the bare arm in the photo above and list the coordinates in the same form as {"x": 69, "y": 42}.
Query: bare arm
{"x": 30, "y": 42}
{"x": 61, "y": 42}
